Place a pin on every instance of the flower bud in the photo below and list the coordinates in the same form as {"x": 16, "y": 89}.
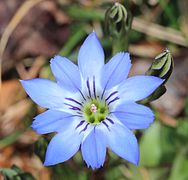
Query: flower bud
{"x": 117, "y": 25}
{"x": 115, "y": 19}
{"x": 161, "y": 67}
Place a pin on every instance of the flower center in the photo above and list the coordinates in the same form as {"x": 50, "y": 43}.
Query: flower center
{"x": 95, "y": 111}
{"x": 93, "y": 108}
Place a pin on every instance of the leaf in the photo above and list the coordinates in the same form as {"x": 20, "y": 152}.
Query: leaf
{"x": 8, "y": 173}
{"x": 15, "y": 173}
{"x": 180, "y": 166}
{"x": 168, "y": 144}
{"x": 150, "y": 149}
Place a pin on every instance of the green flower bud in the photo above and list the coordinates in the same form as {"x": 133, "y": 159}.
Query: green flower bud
{"x": 115, "y": 19}
{"x": 117, "y": 25}
{"x": 161, "y": 67}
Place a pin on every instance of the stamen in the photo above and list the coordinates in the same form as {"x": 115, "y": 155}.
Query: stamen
{"x": 93, "y": 108}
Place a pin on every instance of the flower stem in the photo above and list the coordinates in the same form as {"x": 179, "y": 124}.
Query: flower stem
{"x": 120, "y": 44}
{"x": 99, "y": 174}
{"x": 118, "y": 21}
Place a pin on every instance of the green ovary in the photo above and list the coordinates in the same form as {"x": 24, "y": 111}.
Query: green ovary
{"x": 95, "y": 111}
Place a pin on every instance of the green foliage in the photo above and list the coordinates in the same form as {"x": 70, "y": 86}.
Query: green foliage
{"x": 150, "y": 148}
{"x": 15, "y": 173}
{"x": 180, "y": 166}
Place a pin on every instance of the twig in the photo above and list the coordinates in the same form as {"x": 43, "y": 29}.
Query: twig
{"x": 158, "y": 31}
{"x": 166, "y": 119}
{"x": 20, "y": 14}
{"x": 33, "y": 71}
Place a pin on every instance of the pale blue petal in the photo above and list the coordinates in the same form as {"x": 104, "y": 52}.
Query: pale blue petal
{"x": 138, "y": 87}
{"x": 91, "y": 57}
{"x": 66, "y": 73}
{"x": 52, "y": 121}
{"x": 116, "y": 70}
{"x": 123, "y": 143}
{"x": 134, "y": 116}
{"x": 62, "y": 147}
{"x": 44, "y": 92}
{"x": 94, "y": 148}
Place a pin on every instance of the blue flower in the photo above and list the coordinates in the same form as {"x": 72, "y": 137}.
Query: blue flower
{"x": 92, "y": 106}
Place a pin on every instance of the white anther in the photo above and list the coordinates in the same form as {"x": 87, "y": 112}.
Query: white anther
{"x": 93, "y": 108}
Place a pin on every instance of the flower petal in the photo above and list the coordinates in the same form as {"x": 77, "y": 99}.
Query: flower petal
{"x": 66, "y": 73}
{"x": 52, "y": 121}
{"x": 44, "y": 92}
{"x": 134, "y": 116}
{"x": 123, "y": 142}
{"x": 94, "y": 148}
{"x": 91, "y": 57}
{"x": 138, "y": 87}
{"x": 116, "y": 70}
{"x": 62, "y": 147}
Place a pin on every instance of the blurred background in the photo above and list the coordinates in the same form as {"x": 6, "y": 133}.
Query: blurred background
{"x": 33, "y": 31}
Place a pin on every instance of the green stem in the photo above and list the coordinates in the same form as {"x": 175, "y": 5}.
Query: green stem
{"x": 73, "y": 41}
{"x": 119, "y": 44}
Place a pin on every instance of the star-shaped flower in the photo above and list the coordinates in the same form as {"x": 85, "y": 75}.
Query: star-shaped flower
{"x": 92, "y": 106}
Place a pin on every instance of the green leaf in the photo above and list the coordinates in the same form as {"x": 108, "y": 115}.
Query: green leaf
{"x": 186, "y": 107}
{"x": 15, "y": 173}
{"x": 182, "y": 130}
{"x": 180, "y": 166}
{"x": 150, "y": 149}
{"x": 73, "y": 41}
{"x": 9, "y": 174}
{"x": 168, "y": 144}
